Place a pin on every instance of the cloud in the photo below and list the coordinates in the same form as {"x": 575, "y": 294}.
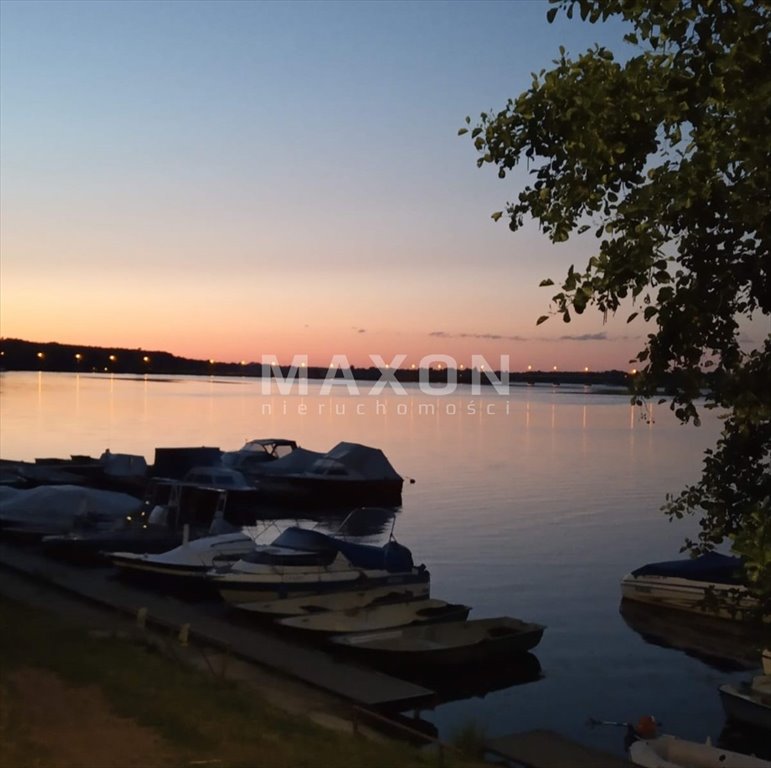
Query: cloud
{"x": 489, "y": 336}
{"x": 601, "y": 336}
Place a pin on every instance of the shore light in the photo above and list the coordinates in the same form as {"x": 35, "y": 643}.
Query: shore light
{"x": 40, "y": 355}
{"x": 529, "y": 367}
{"x": 145, "y": 359}
{"x": 112, "y": 358}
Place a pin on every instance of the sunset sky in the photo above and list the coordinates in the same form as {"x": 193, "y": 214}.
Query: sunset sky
{"x": 232, "y": 179}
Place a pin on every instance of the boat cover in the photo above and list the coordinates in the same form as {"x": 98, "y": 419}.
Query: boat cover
{"x": 58, "y": 506}
{"x": 712, "y": 566}
{"x": 392, "y": 557}
{"x": 355, "y": 461}
{"x": 298, "y": 461}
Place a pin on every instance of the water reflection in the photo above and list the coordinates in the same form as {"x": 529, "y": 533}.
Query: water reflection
{"x": 720, "y": 644}
{"x": 478, "y": 680}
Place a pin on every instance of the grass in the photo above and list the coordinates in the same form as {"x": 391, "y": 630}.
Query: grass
{"x": 198, "y": 717}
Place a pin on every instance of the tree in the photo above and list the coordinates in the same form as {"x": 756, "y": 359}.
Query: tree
{"x": 666, "y": 156}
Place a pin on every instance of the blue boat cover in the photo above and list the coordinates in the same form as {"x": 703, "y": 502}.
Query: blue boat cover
{"x": 712, "y": 566}
{"x": 392, "y": 557}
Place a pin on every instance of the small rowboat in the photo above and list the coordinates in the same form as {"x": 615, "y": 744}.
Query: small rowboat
{"x": 454, "y": 642}
{"x": 376, "y": 617}
{"x": 345, "y": 600}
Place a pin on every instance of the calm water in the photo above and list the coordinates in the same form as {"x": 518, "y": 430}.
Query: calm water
{"x": 532, "y": 505}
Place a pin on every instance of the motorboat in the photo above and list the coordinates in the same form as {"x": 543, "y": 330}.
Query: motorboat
{"x": 378, "y": 616}
{"x": 189, "y": 562}
{"x": 350, "y": 474}
{"x": 256, "y": 455}
{"x": 445, "y": 643}
{"x": 303, "y": 561}
{"x": 667, "y": 751}
{"x": 748, "y": 703}
{"x": 711, "y": 584}
{"x": 339, "y": 600}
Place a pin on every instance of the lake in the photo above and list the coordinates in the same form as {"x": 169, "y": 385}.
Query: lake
{"x": 532, "y": 504}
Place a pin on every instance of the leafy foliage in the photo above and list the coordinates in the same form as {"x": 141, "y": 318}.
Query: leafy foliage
{"x": 666, "y": 157}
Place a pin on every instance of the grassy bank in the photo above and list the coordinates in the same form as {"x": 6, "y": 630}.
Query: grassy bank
{"x": 149, "y": 709}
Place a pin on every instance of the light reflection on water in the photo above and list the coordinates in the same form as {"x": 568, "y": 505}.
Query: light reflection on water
{"x": 533, "y": 505}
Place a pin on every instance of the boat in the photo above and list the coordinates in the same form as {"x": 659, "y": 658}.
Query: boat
{"x": 255, "y": 455}
{"x": 748, "y": 703}
{"x": 58, "y": 509}
{"x": 667, "y": 751}
{"x": 339, "y": 600}
{"x": 445, "y": 643}
{"x": 378, "y": 616}
{"x": 350, "y": 474}
{"x": 189, "y": 562}
{"x": 173, "y": 512}
{"x": 711, "y": 584}
{"x": 302, "y": 561}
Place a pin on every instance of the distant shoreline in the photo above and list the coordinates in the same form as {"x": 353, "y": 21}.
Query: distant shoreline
{"x": 21, "y": 355}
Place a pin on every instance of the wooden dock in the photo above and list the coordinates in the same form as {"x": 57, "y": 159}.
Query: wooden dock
{"x": 547, "y": 749}
{"x": 210, "y": 625}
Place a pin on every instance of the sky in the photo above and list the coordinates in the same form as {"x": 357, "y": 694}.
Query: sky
{"x": 232, "y": 179}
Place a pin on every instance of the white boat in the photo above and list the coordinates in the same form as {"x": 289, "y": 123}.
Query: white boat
{"x": 340, "y": 600}
{"x": 711, "y": 584}
{"x": 307, "y": 562}
{"x": 670, "y": 752}
{"x": 375, "y": 617}
{"x": 748, "y": 703}
{"x": 191, "y": 560}
{"x": 445, "y": 643}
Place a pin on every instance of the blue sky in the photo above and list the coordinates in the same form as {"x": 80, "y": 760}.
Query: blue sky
{"x": 227, "y": 179}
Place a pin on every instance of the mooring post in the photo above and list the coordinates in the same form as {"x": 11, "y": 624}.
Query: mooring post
{"x": 142, "y": 617}
{"x": 184, "y": 634}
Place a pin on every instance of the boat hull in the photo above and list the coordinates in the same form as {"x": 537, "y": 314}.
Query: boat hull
{"x": 330, "y": 492}
{"x": 724, "y": 601}
{"x": 236, "y": 591}
{"x": 745, "y": 705}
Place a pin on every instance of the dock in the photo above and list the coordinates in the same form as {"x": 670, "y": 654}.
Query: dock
{"x": 547, "y": 749}
{"x": 210, "y": 625}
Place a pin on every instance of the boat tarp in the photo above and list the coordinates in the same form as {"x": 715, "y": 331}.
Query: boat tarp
{"x": 392, "y": 557}
{"x": 356, "y": 461}
{"x": 298, "y": 461}
{"x": 65, "y": 503}
{"x": 712, "y": 566}
{"x": 123, "y": 464}
{"x": 305, "y": 539}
